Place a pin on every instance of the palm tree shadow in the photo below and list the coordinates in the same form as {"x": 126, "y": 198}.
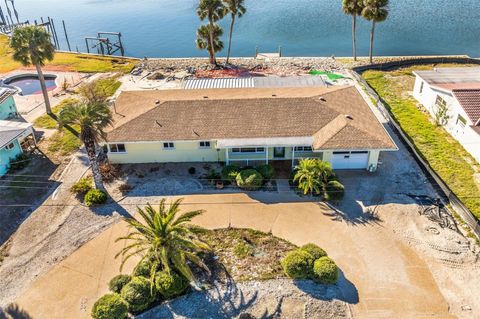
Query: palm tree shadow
{"x": 13, "y": 311}
{"x": 343, "y": 290}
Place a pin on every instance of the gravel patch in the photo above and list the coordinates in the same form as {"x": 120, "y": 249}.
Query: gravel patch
{"x": 279, "y": 298}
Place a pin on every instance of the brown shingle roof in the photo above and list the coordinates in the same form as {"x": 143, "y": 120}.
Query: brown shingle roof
{"x": 469, "y": 100}
{"x": 250, "y": 113}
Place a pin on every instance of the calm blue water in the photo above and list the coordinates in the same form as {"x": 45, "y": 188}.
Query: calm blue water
{"x": 166, "y": 28}
{"x": 31, "y": 85}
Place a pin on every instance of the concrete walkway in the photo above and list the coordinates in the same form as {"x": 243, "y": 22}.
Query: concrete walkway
{"x": 381, "y": 277}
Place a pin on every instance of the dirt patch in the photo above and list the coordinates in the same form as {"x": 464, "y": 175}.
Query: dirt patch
{"x": 247, "y": 254}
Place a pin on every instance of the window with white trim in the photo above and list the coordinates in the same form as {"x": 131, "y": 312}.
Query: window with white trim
{"x": 10, "y": 146}
{"x": 117, "y": 148}
{"x": 461, "y": 121}
{"x": 421, "y": 87}
{"x": 204, "y": 144}
{"x": 303, "y": 148}
{"x": 168, "y": 146}
{"x": 248, "y": 150}
{"x": 440, "y": 102}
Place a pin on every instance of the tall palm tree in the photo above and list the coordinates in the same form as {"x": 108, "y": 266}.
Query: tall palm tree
{"x": 213, "y": 11}
{"x": 92, "y": 118}
{"x": 32, "y": 46}
{"x": 312, "y": 175}
{"x": 353, "y": 8}
{"x": 171, "y": 241}
{"x": 375, "y": 11}
{"x": 236, "y": 8}
{"x": 203, "y": 39}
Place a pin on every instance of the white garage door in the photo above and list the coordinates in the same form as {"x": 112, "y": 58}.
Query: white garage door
{"x": 350, "y": 160}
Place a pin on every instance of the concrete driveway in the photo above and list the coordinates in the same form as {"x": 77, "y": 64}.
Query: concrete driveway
{"x": 382, "y": 277}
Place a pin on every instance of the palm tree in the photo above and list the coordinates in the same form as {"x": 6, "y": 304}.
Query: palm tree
{"x": 32, "y": 46}
{"x": 375, "y": 11}
{"x": 353, "y": 8}
{"x": 236, "y": 9}
{"x": 203, "y": 39}
{"x": 92, "y": 118}
{"x": 312, "y": 175}
{"x": 169, "y": 240}
{"x": 213, "y": 10}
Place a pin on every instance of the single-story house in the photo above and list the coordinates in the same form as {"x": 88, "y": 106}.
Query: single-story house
{"x": 15, "y": 136}
{"x": 452, "y": 97}
{"x": 247, "y": 126}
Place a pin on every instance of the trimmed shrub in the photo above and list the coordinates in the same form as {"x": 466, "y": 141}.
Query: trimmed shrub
{"x": 249, "y": 179}
{"x": 325, "y": 271}
{"x": 137, "y": 294}
{"x": 18, "y": 162}
{"x": 110, "y": 306}
{"x": 116, "y": 283}
{"x": 82, "y": 186}
{"x": 229, "y": 173}
{"x": 170, "y": 284}
{"x": 143, "y": 268}
{"x": 298, "y": 264}
{"x": 267, "y": 171}
{"x": 95, "y": 196}
{"x": 314, "y": 250}
{"x": 335, "y": 191}
{"x": 192, "y": 170}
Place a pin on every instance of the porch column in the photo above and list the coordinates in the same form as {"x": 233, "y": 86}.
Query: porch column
{"x": 266, "y": 154}
{"x": 226, "y": 156}
{"x": 293, "y": 156}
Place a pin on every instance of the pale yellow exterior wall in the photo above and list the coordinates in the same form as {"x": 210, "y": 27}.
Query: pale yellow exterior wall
{"x": 146, "y": 152}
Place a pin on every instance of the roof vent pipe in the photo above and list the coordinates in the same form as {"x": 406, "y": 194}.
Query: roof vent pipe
{"x": 349, "y": 117}
{"x": 322, "y": 99}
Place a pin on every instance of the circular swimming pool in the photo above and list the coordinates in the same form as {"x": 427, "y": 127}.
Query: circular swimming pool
{"x": 29, "y": 84}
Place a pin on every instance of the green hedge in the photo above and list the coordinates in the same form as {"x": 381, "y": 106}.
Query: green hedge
{"x": 267, "y": 171}
{"x": 229, "y": 173}
{"x": 82, "y": 186}
{"x": 94, "y": 197}
{"x": 314, "y": 250}
{"x": 137, "y": 293}
{"x": 143, "y": 268}
{"x": 325, "y": 271}
{"x": 298, "y": 264}
{"x": 170, "y": 284}
{"x": 110, "y": 306}
{"x": 116, "y": 283}
{"x": 249, "y": 179}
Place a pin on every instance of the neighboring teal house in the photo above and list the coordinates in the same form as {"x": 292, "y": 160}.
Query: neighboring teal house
{"x": 15, "y": 136}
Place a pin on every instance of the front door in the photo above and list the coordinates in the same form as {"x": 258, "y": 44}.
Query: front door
{"x": 279, "y": 152}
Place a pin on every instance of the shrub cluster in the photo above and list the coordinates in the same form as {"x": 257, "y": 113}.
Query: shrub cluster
{"x": 249, "y": 179}
{"x": 137, "y": 294}
{"x": 267, "y": 171}
{"x": 229, "y": 173}
{"x": 116, "y": 283}
{"x": 110, "y": 306}
{"x": 95, "y": 196}
{"x": 170, "y": 284}
{"x": 143, "y": 268}
{"x": 334, "y": 191}
{"x": 82, "y": 186}
{"x": 310, "y": 262}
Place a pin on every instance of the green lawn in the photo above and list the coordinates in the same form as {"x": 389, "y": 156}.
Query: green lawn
{"x": 444, "y": 154}
{"x": 69, "y": 61}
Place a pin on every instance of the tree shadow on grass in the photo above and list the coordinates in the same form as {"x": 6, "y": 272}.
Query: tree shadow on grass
{"x": 13, "y": 311}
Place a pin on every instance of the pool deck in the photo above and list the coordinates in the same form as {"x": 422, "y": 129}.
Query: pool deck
{"x": 32, "y": 106}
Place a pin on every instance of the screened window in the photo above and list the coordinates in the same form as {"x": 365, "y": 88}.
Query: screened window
{"x": 303, "y": 149}
{"x": 204, "y": 144}
{"x": 168, "y": 145}
{"x": 440, "y": 103}
{"x": 248, "y": 150}
{"x": 117, "y": 148}
{"x": 10, "y": 146}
